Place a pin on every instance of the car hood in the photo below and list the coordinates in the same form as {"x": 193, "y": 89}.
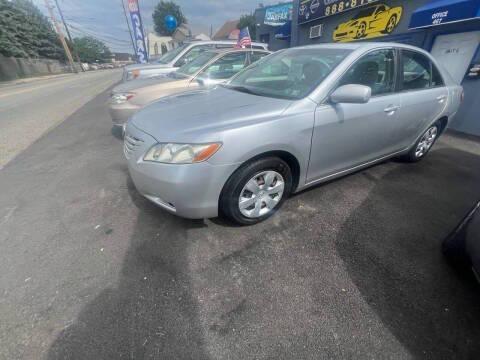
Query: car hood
{"x": 200, "y": 115}
{"x": 131, "y": 86}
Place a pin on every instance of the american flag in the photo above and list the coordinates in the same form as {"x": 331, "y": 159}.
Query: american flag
{"x": 244, "y": 38}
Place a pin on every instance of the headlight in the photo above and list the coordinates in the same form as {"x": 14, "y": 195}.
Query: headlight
{"x": 120, "y": 98}
{"x": 181, "y": 153}
{"x": 133, "y": 74}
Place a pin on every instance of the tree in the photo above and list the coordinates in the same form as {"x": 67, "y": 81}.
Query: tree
{"x": 163, "y": 9}
{"x": 26, "y": 33}
{"x": 90, "y": 50}
{"x": 248, "y": 21}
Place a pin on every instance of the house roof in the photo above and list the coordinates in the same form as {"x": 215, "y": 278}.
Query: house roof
{"x": 226, "y": 29}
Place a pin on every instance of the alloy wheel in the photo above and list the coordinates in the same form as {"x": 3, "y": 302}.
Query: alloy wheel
{"x": 391, "y": 24}
{"x": 361, "y": 30}
{"x": 261, "y": 194}
{"x": 426, "y": 141}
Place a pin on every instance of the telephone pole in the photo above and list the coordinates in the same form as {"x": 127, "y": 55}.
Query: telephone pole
{"x": 60, "y": 36}
{"x": 69, "y": 36}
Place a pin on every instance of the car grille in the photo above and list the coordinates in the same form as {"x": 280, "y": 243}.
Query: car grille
{"x": 341, "y": 34}
{"x": 130, "y": 143}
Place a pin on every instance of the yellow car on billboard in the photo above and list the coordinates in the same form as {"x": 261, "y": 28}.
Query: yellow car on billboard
{"x": 370, "y": 22}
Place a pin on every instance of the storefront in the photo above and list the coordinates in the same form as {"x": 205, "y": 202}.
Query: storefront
{"x": 449, "y": 29}
{"x": 274, "y": 25}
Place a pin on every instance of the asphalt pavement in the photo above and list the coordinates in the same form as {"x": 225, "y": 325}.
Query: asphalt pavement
{"x": 351, "y": 269}
{"x": 31, "y": 107}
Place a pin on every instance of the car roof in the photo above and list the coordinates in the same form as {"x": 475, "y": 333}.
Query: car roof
{"x": 232, "y": 50}
{"x": 364, "y": 45}
{"x": 206, "y": 42}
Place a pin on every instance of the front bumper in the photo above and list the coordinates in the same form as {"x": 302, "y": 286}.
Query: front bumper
{"x": 187, "y": 190}
{"x": 120, "y": 113}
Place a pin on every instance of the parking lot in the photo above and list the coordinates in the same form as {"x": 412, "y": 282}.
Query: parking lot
{"x": 349, "y": 269}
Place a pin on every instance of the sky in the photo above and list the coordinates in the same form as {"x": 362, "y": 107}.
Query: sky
{"x": 105, "y": 20}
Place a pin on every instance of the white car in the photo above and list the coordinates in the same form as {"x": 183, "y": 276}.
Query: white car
{"x": 177, "y": 57}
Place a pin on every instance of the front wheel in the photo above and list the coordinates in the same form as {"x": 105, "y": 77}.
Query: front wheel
{"x": 256, "y": 190}
{"x": 423, "y": 145}
{"x": 361, "y": 31}
{"x": 392, "y": 22}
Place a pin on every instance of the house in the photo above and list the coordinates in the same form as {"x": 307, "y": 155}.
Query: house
{"x": 159, "y": 45}
{"x": 228, "y": 31}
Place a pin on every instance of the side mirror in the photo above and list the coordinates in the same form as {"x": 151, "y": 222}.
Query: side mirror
{"x": 206, "y": 82}
{"x": 351, "y": 94}
{"x": 180, "y": 62}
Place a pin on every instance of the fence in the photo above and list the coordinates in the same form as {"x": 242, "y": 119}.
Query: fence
{"x": 14, "y": 68}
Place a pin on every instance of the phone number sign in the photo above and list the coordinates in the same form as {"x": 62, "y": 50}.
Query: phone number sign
{"x": 315, "y": 9}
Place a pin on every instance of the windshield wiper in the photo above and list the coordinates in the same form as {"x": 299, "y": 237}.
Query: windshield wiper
{"x": 240, "y": 88}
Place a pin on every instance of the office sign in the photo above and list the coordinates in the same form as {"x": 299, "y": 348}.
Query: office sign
{"x": 278, "y": 15}
{"x": 138, "y": 33}
{"x": 309, "y": 10}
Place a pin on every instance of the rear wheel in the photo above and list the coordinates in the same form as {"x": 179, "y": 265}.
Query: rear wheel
{"x": 424, "y": 144}
{"x": 256, "y": 191}
{"x": 392, "y": 22}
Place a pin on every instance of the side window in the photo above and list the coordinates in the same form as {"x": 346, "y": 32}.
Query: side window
{"x": 225, "y": 67}
{"x": 416, "y": 72}
{"x": 437, "y": 79}
{"x": 380, "y": 8}
{"x": 376, "y": 70}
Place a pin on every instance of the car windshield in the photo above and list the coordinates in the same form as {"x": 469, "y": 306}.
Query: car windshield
{"x": 196, "y": 64}
{"x": 288, "y": 74}
{"x": 172, "y": 54}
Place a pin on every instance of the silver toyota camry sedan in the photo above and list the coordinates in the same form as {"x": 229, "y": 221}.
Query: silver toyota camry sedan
{"x": 292, "y": 120}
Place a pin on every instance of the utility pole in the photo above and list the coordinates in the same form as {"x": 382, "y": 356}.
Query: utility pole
{"x": 129, "y": 29}
{"x": 60, "y": 36}
{"x": 69, "y": 36}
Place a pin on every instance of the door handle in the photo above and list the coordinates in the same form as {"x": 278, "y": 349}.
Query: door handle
{"x": 391, "y": 108}
{"x": 441, "y": 98}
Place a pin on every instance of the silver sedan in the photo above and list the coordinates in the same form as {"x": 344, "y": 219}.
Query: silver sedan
{"x": 207, "y": 69}
{"x": 292, "y": 120}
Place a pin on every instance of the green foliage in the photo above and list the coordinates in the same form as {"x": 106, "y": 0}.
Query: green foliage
{"x": 163, "y": 9}
{"x": 26, "y": 33}
{"x": 90, "y": 50}
{"x": 248, "y": 21}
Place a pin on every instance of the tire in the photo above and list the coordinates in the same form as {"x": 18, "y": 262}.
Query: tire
{"x": 235, "y": 189}
{"x": 390, "y": 30}
{"x": 453, "y": 248}
{"x": 413, "y": 154}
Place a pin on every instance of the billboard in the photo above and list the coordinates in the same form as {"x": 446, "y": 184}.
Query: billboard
{"x": 278, "y": 15}
{"x": 309, "y": 10}
{"x": 138, "y": 33}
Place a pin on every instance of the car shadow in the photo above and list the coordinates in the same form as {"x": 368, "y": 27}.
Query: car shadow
{"x": 392, "y": 252}
{"x": 151, "y": 313}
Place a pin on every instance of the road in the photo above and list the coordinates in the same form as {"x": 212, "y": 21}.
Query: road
{"x": 30, "y": 109}
{"x": 349, "y": 270}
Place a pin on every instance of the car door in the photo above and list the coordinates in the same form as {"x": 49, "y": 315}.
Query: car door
{"x": 424, "y": 97}
{"x": 348, "y": 135}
